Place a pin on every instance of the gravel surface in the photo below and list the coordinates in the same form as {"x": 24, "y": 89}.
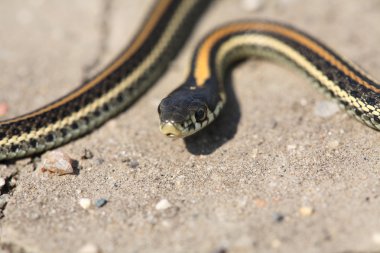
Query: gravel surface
{"x": 282, "y": 170}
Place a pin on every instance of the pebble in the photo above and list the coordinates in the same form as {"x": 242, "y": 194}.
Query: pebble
{"x": 99, "y": 161}
{"x": 89, "y": 248}
{"x": 163, "y": 204}
{"x": 85, "y": 203}
{"x": 221, "y": 250}
{"x": 3, "y": 108}
{"x": 251, "y": 5}
{"x": 13, "y": 182}
{"x": 100, "y": 202}
{"x": 57, "y": 162}
{"x": 275, "y": 243}
{"x": 260, "y": 203}
{"x": 333, "y": 144}
{"x": 180, "y": 180}
{"x": 133, "y": 164}
{"x": 2, "y": 183}
{"x": 278, "y": 217}
{"x": 325, "y": 108}
{"x": 87, "y": 154}
{"x": 303, "y": 102}
{"x": 254, "y": 153}
{"x": 306, "y": 211}
{"x": 376, "y": 238}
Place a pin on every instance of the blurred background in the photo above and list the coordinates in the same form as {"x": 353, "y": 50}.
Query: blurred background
{"x": 296, "y": 175}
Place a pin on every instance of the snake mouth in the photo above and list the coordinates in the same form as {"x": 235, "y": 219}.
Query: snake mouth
{"x": 181, "y": 130}
{"x": 171, "y": 129}
{"x": 189, "y": 126}
{"x": 176, "y": 130}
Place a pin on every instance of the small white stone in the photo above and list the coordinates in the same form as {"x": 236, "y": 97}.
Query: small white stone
{"x": 85, "y": 203}
{"x": 163, "y": 204}
{"x": 251, "y": 5}
{"x": 254, "y": 153}
{"x": 89, "y": 248}
{"x": 333, "y": 144}
{"x": 306, "y": 211}
{"x": 180, "y": 180}
{"x": 303, "y": 102}
{"x": 325, "y": 109}
{"x": 291, "y": 147}
{"x": 275, "y": 243}
{"x": 376, "y": 238}
{"x": 2, "y": 182}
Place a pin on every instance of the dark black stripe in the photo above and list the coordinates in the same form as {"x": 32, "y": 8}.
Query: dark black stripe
{"x": 184, "y": 30}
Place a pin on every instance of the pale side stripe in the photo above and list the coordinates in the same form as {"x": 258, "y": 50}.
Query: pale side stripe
{"x": 279, "y": 46}
{"x": 165, "y": 38}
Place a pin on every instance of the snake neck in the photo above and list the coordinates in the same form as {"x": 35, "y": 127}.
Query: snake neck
{"x": 337, "y": 77}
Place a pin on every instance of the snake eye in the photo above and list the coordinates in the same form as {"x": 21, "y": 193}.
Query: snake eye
{"x": 200, "y": 115}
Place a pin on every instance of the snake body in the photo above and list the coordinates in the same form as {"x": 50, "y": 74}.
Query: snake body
{"x": 112, "y": 90}
{"x": 200, "y": 99}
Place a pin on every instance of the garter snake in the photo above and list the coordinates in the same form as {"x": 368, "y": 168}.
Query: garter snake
{"x": 200, "y": 99}
{"x": 112, "y": 90}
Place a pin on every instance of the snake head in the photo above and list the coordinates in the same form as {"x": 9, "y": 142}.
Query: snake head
{"x": 186, "y": 111}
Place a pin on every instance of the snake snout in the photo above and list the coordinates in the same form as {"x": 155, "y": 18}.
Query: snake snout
{"x": 170, "y": 129}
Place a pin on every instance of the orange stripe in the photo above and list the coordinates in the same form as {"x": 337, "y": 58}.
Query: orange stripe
{"x": 202, "y": 70}
{"x": 155, "y": 15}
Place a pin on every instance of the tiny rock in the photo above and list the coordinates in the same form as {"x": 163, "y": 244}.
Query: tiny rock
{"x": 2, "y": 183}
{"x": 306, "y": 211}
{"x": 89, "y": 248}
{"x": 3, "y": 108}
{"x": 85, "y": 203}
{"x": 163, "y": 204}
{"x": 133, "y": 164}
{"x": 376, "y": 238}
{"x": 57, "y": 162}
{"x": 303, "y": 102}
{"x": 254, "y": 153}
{"x": 333, "y": 144}
{"x": 87, "y": 154}
{"x": 260, "y": 203}
{"x": 251, "y": 5}
{"x": 278, "y": 217}
{"x": 275, "y": 243}
{"x": 100, "y": 202}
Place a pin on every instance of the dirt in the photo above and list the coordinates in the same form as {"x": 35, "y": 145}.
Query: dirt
{"x": 273, "y": 174}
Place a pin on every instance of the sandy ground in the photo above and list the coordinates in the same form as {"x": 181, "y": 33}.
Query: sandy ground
{"x": 281, "y": 171}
